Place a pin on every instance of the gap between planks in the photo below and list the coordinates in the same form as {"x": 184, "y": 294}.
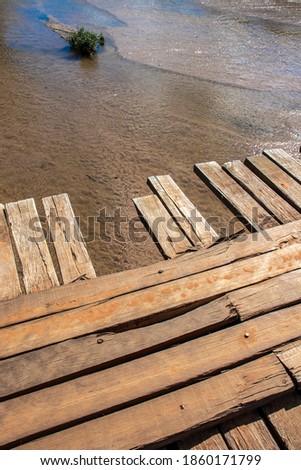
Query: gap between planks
{"x": 108, "y": 287}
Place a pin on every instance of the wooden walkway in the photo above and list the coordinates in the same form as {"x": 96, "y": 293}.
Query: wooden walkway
{"x": 201, "y": 351}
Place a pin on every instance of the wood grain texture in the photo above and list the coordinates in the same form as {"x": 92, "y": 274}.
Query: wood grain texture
{"x": 94, "y": 291}
{"x": 54, "y": 362}
{"x": 287, "y": 163}
{"x": 261, "y": 192}
{"x": 208, "y": 439}
{"x": 285, "y": 417}
{"x": 193, "y": 224}
{"x": 74, "y": 356}
{"x": 145, "y": 377}
{"x": 9, "y": 281}
{"x": 37, "y": 267}
{"x": 248, "y": 432}
{"x": 71, "y": 251}
{"x": 171, "y": 415}
{"x": 268, "y": 295}
{"x": 236, "y": 197}
{"x": 162, "y": 299}
{"x": 290, "y": 356}
{"x": 163, "y": 227}
{"x": 277, "y": 179}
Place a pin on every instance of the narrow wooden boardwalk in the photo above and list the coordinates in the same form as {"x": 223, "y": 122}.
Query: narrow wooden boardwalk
{"x": 200, "y": 351}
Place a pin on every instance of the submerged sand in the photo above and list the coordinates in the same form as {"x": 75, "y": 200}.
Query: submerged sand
{"x": 97, "y": 129}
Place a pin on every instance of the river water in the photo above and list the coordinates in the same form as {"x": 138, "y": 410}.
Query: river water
{"x": 178, "y": 82}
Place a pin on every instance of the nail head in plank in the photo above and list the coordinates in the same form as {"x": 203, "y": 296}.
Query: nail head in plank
{"x": 9, "y": 281}
{"x": 189, "y": 218}
{"x": 151, "y": 301}
{"x": 290, "y": 356}
{"x": 284, "y": 416}
{"x": 107, "y": 287}
{"x": 238, "y": 199}
{"x": 248, "y": 432}
{"x": 277, "y": 179}
{"x": 147, "y": 376}
{"x": 287, "y": 163}
{"x": 71, "y": 251}
{"x": 208, "y": 439}
{"x": 261, "y": 192}
{"x": 37, "y": 267}
{"x": 165, "y": 230}
{"x": 171, "y": 415}
{"x": 71, "y": 357}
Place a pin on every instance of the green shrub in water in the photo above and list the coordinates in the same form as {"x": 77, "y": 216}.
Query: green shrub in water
{"x": 85, "y": 42}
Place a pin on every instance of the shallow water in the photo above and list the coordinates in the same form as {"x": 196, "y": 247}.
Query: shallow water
{"x": 97, "y": 129}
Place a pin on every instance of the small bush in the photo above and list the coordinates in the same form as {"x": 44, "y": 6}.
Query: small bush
{"x": 85, "y": 42}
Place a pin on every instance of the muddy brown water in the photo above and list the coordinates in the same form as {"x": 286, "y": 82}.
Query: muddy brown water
{"x": 177, "y": 83}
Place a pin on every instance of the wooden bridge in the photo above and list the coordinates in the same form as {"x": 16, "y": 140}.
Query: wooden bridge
{"x": 199, "y": 351}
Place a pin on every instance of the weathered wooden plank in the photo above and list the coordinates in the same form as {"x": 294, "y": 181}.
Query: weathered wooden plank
{"x": 37, "y": 268}
{"x": 261, "y": 192}
{"x": 163, "y": 227}
{"x": 277, "y": 179}
{"x": 237, "y": 198}
{"x": 285, "y": 418}
{"x": 71, "y": 251}
{"x": 163, "y": 299}
{"x": 191, "y": 221}
{"x": 248, "y": 432}
{"x": 171, "y": 415}
{"x": 61, "y": 29}
{"x": 290, "y": 356}
{"x": 98, "y": 351}
{"x": 268, "y": 295}
{"x": 208, "y": 439}
{"x": 287, "y": 163}
{"x": 9, "y": 281}
{"x": 147, "y": 376}
{"x": 70, "y": 357}
{"x": 94, "y": 291}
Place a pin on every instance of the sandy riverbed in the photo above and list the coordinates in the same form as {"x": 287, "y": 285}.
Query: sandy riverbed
{"x": 97, "y": 129}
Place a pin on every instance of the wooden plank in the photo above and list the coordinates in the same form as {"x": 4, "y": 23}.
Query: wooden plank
{"x": 157, "y": 302}
{"x": 261, "y": 192}
{"x": 147, "y": 376}
{"x": 165, "y": 230}
{"x": 237, "y": 198}
{"x": 208, "y": 439}
{"x": 277, "y": 179}
{"x": 203, "y": 403}
{"x": 61, "y": 29}
{"x": 70, "y": 357}
{"x": 71, "y": 251}
{"x": 248, "y": 432}
{"x": 95, "y": 291}
{"x": 99, "y": 351}
{"x": 9, "y": 281}
{"x": 287, "y": 163}
{"x": 191, "y": 221}
{"x": 268, "y": 295}
{"x": 284, "y": 416}
{"x": 37, "y": 268}
{"x": 290, "y": 356}
{"x": 174, "y": 211}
